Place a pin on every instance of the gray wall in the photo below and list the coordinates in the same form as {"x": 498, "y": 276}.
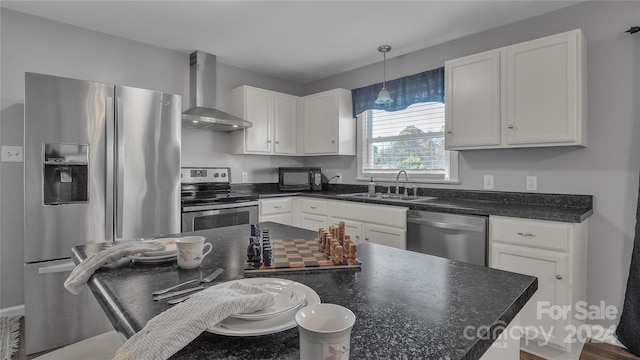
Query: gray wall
{"x": 607, "y": 168}
{"x": 37, "y": 45}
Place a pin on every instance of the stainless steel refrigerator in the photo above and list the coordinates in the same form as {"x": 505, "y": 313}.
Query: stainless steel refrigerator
{"x": 102, "y": 163}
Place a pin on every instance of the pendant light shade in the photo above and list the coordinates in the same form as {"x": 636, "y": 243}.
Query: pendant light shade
{"x": 383, "y": 96}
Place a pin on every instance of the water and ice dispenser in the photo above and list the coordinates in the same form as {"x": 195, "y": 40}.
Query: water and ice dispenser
{"x": 66, "y": 170}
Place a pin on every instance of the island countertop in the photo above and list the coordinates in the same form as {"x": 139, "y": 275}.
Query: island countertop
{"x": 407, "y": 305}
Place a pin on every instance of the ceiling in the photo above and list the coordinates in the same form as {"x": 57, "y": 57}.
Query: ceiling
{"x": 297, "y": 41}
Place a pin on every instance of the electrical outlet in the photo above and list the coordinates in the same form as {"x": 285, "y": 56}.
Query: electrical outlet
{"x": 245, "y": 177}
{"x": 488, "y": 182}
{"x": 532, "y": 183}
{"x": 339, "y": 178}
{"x": 12, "y": 154}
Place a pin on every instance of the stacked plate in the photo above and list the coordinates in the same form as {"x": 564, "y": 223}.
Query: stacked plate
{"x": 169, "y": 253}
{"x": 289, "y": 296}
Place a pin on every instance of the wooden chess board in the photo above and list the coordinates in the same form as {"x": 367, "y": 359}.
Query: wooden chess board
{"x": 297, "y": 254}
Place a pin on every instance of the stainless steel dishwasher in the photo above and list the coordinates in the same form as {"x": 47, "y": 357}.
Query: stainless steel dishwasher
{"x": 456, "y": 237}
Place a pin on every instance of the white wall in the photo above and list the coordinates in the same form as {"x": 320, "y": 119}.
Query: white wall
{"x": 34, "y": 44}
{"x": 607, "y": 168}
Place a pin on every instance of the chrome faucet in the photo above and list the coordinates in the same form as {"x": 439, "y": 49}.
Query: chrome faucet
{"x": 398, "y": 177}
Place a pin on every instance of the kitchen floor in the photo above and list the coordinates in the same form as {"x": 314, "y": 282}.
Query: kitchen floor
{"x": 594, "y": 350}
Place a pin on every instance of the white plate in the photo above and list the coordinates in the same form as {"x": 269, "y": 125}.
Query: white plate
{"x": 286, "y": 298}
{"x": 151, "y": 259}
{"x": 170, "y": 247}
{"x": 238, "y": 327}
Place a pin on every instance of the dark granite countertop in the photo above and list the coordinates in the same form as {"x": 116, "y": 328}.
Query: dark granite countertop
{"x": 540, "y": 206}
{"x": 408, "y": 305}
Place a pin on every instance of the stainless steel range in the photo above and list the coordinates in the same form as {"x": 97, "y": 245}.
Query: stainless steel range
{"x": 208, "y": 202}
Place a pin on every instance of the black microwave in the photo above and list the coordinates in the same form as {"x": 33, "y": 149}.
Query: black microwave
{"x": 300, "y": 178}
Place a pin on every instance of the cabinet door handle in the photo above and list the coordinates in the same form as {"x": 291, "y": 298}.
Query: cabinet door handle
{"x": 313, "y": 207}
{"x": 449, "y": 132}
{"x": 527, "y": 235}
{"x": 559, "y": 277}
{"x": 511, "y": 127}
{"x": 277, "y": 207}
{"x": 333, "y": 141}
{"x": 366, "y": 239}
{"x": 277, "y": 142}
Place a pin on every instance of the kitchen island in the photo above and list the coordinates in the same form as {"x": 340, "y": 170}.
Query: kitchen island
{"x": 407, "y": 305}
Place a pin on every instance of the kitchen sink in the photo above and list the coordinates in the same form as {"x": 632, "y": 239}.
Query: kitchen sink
{"x": 389, "y": 197}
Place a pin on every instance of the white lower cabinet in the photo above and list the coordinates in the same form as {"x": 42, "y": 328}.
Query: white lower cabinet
{"x": 278, "y": 210}
{"x": 312, "y": 221}
{"x": 375, "y": 233}
{"x": 556, "y": 254}
{"x": 312, "y": 213}
{"x": 351, "y": 228}
{"x": 379, "y": 224}
{"x": 385, "y": 235}
{"x": 550, "y": 268}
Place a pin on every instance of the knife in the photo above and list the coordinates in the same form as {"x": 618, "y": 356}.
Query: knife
{"x": 176, "y": 293}
{"x": 178, "y": 300}
{"x": 197, "y": 281}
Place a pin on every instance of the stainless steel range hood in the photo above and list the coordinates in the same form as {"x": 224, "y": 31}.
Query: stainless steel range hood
{"x": 202, "y": 113}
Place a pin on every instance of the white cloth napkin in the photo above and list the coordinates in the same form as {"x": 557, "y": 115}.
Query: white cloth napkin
{"x": 173, "y": 329}
{"x": 83, "y": 271}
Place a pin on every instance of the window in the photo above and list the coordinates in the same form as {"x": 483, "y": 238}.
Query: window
{"x": 411, "y": 139}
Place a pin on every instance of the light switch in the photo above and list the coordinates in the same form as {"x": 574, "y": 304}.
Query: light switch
{"x": 532, "y": 183}
{"x": 488, "y": 182}
{"x": 12, "y": 154}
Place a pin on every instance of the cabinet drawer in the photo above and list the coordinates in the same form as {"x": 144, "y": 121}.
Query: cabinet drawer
{"x": 387, "y": 215}
{"x": 534, "y": 233}
{"x": 286, "y": 219}
{"x": 313, "y": 206}
{"x": 275, "y": 206}
{"x": 312, "y": 221}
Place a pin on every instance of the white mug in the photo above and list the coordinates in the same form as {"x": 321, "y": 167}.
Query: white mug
{"x": 191, "y": 251}
{"x": 325, "y": 331}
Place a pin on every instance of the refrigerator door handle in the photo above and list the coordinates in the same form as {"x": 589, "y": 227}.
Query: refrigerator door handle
{"x": 119, "y": 169}
{"x": 109, "y": 185}
{"x": 64, "y": 267}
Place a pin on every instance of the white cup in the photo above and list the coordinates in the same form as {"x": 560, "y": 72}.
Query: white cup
{"x": 325, "y": 331}
{"x": 191, "y": 251}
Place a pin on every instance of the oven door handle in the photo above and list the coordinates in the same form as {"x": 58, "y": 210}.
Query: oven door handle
{"x": 219, "y": 207}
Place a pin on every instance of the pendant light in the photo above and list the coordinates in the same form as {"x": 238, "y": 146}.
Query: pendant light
{"x": 383, "y": 96}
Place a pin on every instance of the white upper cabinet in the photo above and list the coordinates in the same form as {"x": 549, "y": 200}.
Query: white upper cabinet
{"x": 329, "y": 126}
{"x": 274, "y": 118}
{"x": 530, "y": 94}
{"x": 472, "y": 101}
{"x": 546, "y": 97}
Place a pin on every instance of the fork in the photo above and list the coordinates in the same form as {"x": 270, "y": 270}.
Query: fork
{"x": 208, "y": 279}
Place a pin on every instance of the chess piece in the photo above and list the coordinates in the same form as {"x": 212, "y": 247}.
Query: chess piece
{"x": 352, "y": 255}
{"x": 339, "y": 254}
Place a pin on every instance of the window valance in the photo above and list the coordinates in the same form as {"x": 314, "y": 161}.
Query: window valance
{"x": 426, "y": 86}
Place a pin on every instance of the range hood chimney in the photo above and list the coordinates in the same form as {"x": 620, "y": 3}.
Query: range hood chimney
{"x": 202, "y": 113}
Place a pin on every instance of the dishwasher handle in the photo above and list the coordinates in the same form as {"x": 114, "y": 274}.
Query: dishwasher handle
{"x": 449, "y": 226}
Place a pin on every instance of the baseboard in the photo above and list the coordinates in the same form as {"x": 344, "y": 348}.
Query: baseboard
{"x": 550, "y": 352}
{"x": 13, "y": 311}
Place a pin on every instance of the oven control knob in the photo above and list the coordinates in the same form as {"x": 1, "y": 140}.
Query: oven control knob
{"x": 223, "y": 174}
{"x": 215, "y": 175}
